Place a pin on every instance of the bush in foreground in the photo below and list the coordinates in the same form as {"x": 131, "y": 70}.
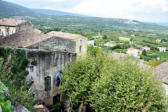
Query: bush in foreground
{"x": 125, "y": 87}
{"x": 108, "y": 85}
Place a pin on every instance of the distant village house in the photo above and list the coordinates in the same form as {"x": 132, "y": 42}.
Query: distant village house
{"x": 124, "y": 39}
{"x": 133, "y": 52}
{"x": 91, "y": 42}
{"x": 162, "y": 49}
{"x": 158, "y": 40}
{"x": 110, "y": 44}
{"x": 146, "y": 48}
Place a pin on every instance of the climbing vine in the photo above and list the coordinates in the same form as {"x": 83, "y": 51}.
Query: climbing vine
{"x": 13, "y": 74}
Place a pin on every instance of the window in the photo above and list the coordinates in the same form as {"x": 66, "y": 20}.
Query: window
{"x": 57, "y": 79}
{"x": 31, "y": 68}
{"x": 47, "y": 82}
{"x": 0, "y": 32}
{"x": 80, "y": 49}
{"x": 7, "y": 30}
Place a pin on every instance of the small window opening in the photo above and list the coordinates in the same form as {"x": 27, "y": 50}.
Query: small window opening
{"x": 31, "y": 68}
{"x": 47, "y": 83}
{"x": 57, "y": 79}
{"x": 80, "y": 48}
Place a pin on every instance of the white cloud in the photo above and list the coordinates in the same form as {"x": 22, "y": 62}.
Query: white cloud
{"x": 122, "y": 8}
{"x": 57, "y": 0}
{"x": 144, "y": 10}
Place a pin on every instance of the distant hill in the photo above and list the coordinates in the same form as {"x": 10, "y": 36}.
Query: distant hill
{"x": 8, "y": 9}
{"x": 163, "y": 24}
{"x": 65, "y": 20}
{"x": 57, "y": 13}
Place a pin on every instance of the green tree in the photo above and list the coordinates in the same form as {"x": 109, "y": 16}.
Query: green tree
{"x": 144, "y": 53}
{"x": 79, "y": 76}
{"x": 104, "y": 37}
{"x": 125, "y": 87}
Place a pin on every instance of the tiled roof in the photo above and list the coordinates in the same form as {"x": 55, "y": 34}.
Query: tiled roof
{"x": 65, "y": 35}
{"x": 131, "y": 49}
{"x": 24, "y": 38}
{"x": 10, "y": 22}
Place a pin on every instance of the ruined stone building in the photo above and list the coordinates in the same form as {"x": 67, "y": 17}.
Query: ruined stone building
{"x": 45, "y": 72}
{"x": 81, "y": 41}
{"x": 11, "y": 26}
{"x": 48, "y": 54}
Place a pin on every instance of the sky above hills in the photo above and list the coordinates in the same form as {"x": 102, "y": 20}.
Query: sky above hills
{"x": 143, "y": 10}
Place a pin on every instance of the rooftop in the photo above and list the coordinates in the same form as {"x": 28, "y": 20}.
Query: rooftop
{"x": 161, "y": 72}
{"x": 146, "y": 47}
{"x": 10, "y": 22}
{"x": 131, "y": 49}
{"x": 65, "y": 35}
{"x": 24, "y": 38}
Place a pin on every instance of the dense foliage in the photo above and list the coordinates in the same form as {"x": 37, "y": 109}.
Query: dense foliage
{"x": 125, "y": 87}
{"x": 108, "y": 85}
{"x": 13, "y": 74}
{"x": 79, "y": 76}
{"x": 5, "y": 103}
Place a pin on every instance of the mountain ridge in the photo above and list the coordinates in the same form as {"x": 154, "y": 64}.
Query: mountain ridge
{"x": 55, "y": 17}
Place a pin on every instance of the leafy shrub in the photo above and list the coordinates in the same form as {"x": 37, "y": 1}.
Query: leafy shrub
{"x": 79, "y": 76}
{"x": 13, "y": 74}
{"x": 125, "y": 87}
{"x": 112, "y": 86}
{"x": 152, "y": 55}
{"x": 154, "y": 63}
{"x": 121, "y": 50}
{"x": 146, "y": 58}
{"x": 5, "y": 103}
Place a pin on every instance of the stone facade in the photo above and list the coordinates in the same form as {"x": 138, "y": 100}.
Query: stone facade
{"x": 48, "y": 55}
{"x": 43, "y": 73}
{"x": 11, "y": 26}
{"x": 81, "y": 41}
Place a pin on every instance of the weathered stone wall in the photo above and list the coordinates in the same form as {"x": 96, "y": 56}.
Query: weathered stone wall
{"x": 9, "y": 30}
{"x": 56, "y": 43}
{"x": 5, "y": 31}
{"x": 81, "y": 46}
{"x": 48, "y": 64}
{"x": 24, "y": 26}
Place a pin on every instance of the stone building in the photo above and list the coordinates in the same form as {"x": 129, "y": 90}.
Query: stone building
{"x": 110, "y": 44}
{"x": 11, "y": 26}
{"x": 162, "y": 49}
{"x": 133, "y": 52}
{"x": 81, "y": 41}
{"x": 146, "y": 48}
{"x": 48, "y": 55}
{"x": 45, "y": 72}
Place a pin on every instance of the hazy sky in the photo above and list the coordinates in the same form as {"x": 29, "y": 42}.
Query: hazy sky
{"x": 144, "y": 10}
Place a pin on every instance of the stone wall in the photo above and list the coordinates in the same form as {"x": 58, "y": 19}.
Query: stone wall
{"x": 46, "y": 65}
{"x": 56, "y": 43}
{"x": 81, "y": 46}
{"x": 9, "y": 30}
{"x": 5, "y": 31}
{"x": 24, "y": 26}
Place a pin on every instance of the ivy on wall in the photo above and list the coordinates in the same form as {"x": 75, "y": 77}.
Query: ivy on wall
{"x": 13, "y": 74}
